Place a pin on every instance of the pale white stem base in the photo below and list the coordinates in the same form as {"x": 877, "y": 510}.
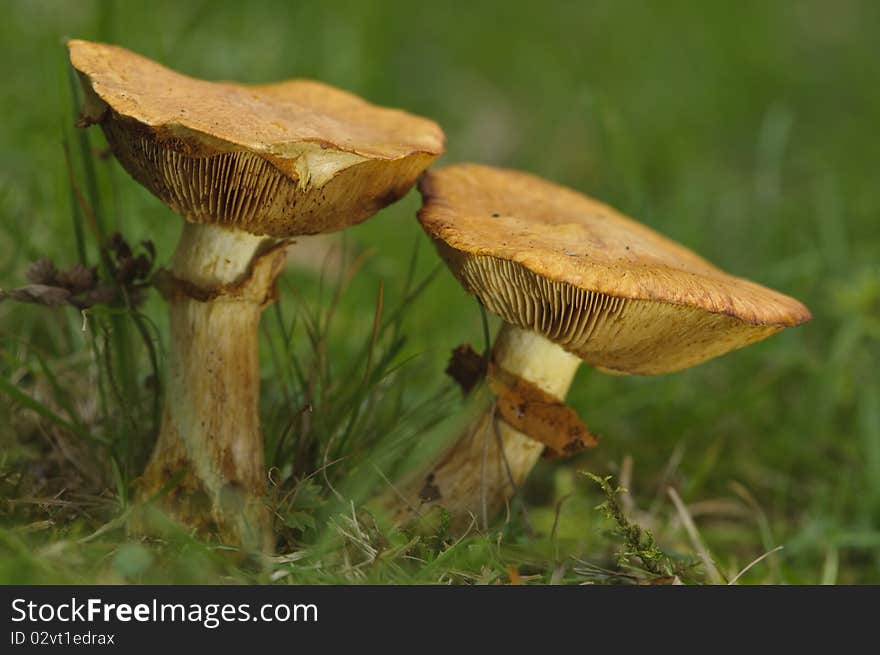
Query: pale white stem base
{"x": 481, "y": 471}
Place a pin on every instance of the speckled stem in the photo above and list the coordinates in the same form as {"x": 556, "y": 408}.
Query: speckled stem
{"x": 207, "y": 469}
{"x": 474, "y": 478}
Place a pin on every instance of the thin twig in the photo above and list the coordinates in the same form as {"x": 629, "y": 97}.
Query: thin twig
{"x": 107, "y": 527}
{"x": 523, "y": 507}
{"x": 668, "y": 471}
{"x": 503, "y": 452}
{"x": 326, "y": 465}
{"x": 559, "y": 504}
{"x": 397, "y": 492}
{"x": 753, "y": 562}
{"x": 484, "y": 483}
{"x": 694, "y": 536}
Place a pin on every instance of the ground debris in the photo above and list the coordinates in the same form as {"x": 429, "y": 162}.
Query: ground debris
{"x": 467, "y": 367}
{"x": 80, "y": 286}
{"x": 539, "y": 415}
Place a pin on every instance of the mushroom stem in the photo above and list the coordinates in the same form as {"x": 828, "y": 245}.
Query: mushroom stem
{"x": 207, "y": 468}
{"x": 485, "y": 466}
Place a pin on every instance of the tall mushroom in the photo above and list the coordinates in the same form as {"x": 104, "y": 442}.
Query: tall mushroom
{"x": 574, "y": 280}
{"x": 248, "y": 167}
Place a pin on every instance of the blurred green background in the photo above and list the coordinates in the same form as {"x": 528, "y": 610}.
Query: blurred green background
{"x": 745, "y": 130}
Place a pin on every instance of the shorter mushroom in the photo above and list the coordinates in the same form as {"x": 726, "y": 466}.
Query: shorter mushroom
{"x": 573, "y": 280}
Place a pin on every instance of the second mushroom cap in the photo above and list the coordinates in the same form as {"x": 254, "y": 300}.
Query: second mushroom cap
{"x": 603, "y": 286}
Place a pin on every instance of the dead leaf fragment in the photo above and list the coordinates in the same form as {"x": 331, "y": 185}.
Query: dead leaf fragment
{"x": 42, "y": 271}
{"x": 539, "y": 415}
{"x": 77, "y": 278}
{"x": 467, "y": 367}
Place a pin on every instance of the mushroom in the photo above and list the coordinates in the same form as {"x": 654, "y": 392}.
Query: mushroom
{"x": 248, "y": 167}
{"x": 573, "y": 280}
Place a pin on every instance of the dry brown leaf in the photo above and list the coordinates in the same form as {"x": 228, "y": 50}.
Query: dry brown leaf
{"x": 467, "y": 367}
{"x": 539, "y": 415}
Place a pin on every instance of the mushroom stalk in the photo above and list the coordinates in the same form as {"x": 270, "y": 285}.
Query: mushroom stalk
{"x": 488, "y": 463}
{"x": 207, "y": 468}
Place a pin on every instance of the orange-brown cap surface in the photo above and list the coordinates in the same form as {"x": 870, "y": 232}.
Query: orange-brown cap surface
{"x": 296, "y": 157}
{"x": 601, "y": 285}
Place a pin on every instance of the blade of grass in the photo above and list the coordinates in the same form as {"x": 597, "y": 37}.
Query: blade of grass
{"x": 141, "y": 322}
{"x": 59, "y": 392}
{"x": 487, "y": 341}
{"x": 694, "y": 535}
{"x": 85, "y": 148}
{"x": 374, "y": 335}
{"x": 76, "y": 216}
{"x": 25, "y": 400}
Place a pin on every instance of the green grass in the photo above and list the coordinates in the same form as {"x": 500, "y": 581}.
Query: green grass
{"x": 746, "y": 131}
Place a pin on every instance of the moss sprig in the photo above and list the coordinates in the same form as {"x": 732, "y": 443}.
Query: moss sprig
{"x": 639, "y": 544}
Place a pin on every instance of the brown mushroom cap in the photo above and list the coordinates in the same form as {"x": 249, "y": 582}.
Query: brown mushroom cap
{"x": 296, "y": 157}
{"x": 601, "y": 285}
